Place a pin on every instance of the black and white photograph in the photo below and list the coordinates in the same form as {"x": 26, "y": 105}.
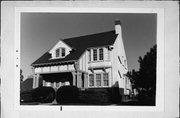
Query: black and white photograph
{"x": 88, "y": 59}
{"x": 93, "y": 59}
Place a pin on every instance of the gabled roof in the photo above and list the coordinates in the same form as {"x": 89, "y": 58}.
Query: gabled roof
{"x": 80, "y": 44}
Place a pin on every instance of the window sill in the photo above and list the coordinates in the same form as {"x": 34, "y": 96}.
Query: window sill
{"x": 99, "y": 61}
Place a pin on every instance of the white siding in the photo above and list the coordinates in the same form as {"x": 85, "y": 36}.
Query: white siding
{"x": 58, "y": 45}
{"x": 54, "y": 68}
{"x": 37, "y": 70}
{"x": 46, "y": 69}
{"x": 51, "y": 69}
{"x": 63, "y": 68}
{"x": 71, "y": 67}
{"x": 117, "y": 65}
{"x": 83, "y": 61}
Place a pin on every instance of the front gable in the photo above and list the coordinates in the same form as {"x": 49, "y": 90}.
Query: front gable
{"x": 60, "y": 50}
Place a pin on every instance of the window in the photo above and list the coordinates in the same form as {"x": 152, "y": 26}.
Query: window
{"x": 94, "y": 54}
{"x": 89, "y": 55}
{"x": 101, "y": 54}
{"x": 91, "y": 80}
{"x": 57, "y": 52}
{"x": 63, "y": 52}
{"x": 98, "y": 79}
{"x": 119, "y": 60}
{"x": 105, "y": 79}
{"x": 60, "y": 52}
{"x": 97, "y": 54}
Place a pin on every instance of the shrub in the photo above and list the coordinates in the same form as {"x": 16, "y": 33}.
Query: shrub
{"x": 26, "y": 96}
{"x": 116, "y": 97}
{"x": 67, "y": 94}
{"x": 95, "y": 96}
{"x": 44, "y": 94}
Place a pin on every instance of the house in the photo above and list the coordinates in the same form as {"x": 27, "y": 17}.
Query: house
{"x": 91, "y": 61}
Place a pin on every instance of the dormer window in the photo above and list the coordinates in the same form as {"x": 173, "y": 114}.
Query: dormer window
{"x": 60, "y": 52}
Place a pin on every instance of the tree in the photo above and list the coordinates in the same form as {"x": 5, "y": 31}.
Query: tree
{"x": 21, "y": 76}
{"x": 144, "y": 80}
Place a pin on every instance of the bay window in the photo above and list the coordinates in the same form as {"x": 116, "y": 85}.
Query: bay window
{"x": 99, "y": 80}
{"x": 105, "y": 79}
{"x": 91, "y": 80}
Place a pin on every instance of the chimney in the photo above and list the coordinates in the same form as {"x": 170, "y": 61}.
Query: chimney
{"x": 118, "y": 26}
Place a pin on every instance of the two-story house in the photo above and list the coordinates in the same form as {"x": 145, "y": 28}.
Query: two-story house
{"x": 91, "y": 61}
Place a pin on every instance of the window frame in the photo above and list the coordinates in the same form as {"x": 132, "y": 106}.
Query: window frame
{"x": 95, "y": 54}
{"x": 94, "y": 85}
{"x": 60, "y": 52}
{"x": 105, "y": 79}
{"x": 91, "y": 85}
{"x": 96, "y": 57}
{"x": 57, "y": 51}
{"x": 101, "y": 55}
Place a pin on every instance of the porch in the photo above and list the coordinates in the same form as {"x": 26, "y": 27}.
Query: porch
{"x": 56, "y": 80}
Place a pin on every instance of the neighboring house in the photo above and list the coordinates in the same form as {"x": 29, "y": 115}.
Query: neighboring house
{"x": 91, "y": 61}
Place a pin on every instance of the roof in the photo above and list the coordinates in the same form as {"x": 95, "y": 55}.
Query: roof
{"x": 79, "y": 44}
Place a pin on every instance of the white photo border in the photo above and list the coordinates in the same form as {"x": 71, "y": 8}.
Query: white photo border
{"x": 160, "y": 58}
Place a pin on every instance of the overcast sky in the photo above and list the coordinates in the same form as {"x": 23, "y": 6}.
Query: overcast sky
{"x": 41, "y": 31}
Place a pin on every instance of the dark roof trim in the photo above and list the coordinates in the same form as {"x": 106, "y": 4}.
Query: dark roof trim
{"x": 100, "y": 46}
{"x": 61, "y": 62}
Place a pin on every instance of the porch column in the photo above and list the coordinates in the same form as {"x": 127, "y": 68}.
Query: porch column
{"x": 74, "y": 78}
{"x": 85, "y": 80}
{"x": 44, "y": 83}
{"x": 79, "y": 74}
{"x": 36, "y": 81}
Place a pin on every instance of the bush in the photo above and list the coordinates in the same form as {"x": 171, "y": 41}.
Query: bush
{"x": 67, "y": 94}
{"x": 26, "y": 96}
{"x": 116, "y": 97}
{"x": 44, "y": 94}
{"x": 95, "y": 96}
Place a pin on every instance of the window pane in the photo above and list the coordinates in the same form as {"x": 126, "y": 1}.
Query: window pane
{"x": 91, "y": 80}
{"x": 62, "y": 52}
{"x": 106, "y": 79}
{"x": 98, "y": 79}
{"x": 57, "y": 53}
{"x": 101, "y": 54}
{"x": 90, "y": 55}
{"x": 94, "y": 54}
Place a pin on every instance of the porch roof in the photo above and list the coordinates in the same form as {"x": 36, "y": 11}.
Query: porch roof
{"x": 79, "y": 44}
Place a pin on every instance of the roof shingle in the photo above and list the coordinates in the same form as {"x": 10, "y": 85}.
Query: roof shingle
{"x": 80, "y": 44}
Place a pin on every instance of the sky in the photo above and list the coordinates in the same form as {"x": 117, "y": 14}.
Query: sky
{"x": 41, "y": 31}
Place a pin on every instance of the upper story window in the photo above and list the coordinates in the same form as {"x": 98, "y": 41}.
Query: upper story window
{"x": 60, "y": 52}
{"x": 94, "y": 54}
{"x": 89, "y": 55}
{"x": 101, "y": 54}
{"x": 57, "y": 52}
{"x": 63, "y": 53}
{"x": 97, "y": 54}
